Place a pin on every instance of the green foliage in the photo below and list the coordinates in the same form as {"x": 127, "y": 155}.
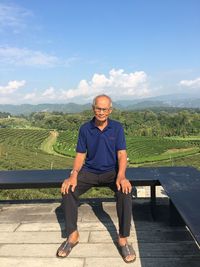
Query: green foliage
{"x": 66, "y": 143}
{"x": 14, "y": 122}
{"x": 4, "y": 114}
{"x": 49, "y": 193}
{"x": 160, "y": 123}
{"x": 98, "y": 192}
{"x": 58, "y": 121}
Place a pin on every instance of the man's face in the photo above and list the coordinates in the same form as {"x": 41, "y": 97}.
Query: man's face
{"x": 102, "y": 109}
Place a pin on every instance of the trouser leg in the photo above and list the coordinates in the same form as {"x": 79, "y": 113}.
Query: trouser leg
{"x": 123, "y": 204}
{"x": 85, "y": 181}
{"x": 124, "y": 212}
{"x": 70, "y": 204}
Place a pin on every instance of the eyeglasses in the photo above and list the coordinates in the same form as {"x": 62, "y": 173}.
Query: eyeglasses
{"x": 104, "y": 110}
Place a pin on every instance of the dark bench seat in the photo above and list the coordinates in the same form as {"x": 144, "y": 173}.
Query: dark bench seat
{"x": 53, "y": 178}
{"x": 183, "y": 189}
{"x": 21, "y": 179}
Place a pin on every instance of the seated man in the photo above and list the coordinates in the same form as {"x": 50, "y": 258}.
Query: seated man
{"x": 100, "y": 159}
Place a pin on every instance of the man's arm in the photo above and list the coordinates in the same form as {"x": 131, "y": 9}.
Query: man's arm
{"x": 122, "y": 182}
{"x": 78, "y": 163}
{"x": 72, "y": 180}
{"x": 122, "y": 162}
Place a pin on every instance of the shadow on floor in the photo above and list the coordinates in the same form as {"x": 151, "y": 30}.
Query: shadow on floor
{"x": 97, "y": 208}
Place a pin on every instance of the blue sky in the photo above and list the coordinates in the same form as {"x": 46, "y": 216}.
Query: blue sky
{"x": 71, "y": 50}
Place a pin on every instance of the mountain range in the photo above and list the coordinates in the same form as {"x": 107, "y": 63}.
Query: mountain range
{"x": 164, "y": 101}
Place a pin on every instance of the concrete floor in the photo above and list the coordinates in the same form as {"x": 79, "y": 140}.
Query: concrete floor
{"x": 31, "y": 232}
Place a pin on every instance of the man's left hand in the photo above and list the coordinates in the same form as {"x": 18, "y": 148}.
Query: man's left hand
{"x": 123, "y": 184}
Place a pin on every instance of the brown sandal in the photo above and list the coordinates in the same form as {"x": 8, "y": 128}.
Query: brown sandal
{"x": 65, "y": 247}
{"x": 125, "y": 251}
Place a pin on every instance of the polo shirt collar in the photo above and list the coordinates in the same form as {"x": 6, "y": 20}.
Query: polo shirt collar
{"x": 92, "y": 124}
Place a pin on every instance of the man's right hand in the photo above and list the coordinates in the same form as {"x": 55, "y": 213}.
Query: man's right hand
{"x": 71, "y": 181}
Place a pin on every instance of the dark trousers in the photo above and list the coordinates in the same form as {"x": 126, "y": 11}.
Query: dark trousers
{"x": 85, "y": 181}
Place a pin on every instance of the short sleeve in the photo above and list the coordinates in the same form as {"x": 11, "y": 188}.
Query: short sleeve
{"x": 81, "y": 144}
{"x": 121, "y": 141}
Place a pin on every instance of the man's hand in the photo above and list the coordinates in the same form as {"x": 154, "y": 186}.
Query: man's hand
{"x": 71, "y": 181}
{"x": 123, "y": 184}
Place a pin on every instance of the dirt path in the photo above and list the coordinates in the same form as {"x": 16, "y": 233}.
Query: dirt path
{"x": 48, "y": 143}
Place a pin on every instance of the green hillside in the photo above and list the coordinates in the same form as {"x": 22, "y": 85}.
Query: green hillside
{"x": 139, "y": 149}
{"x": 150, "y": 149}
{"x": 21, "y": 149}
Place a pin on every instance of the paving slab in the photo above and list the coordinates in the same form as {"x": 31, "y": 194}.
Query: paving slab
{"x": 41, "y": 262}
{"x": 92, "y": 226}
{"x": 154, "y": 236}
{"x": 49, "y": 250}
{"x": 103, "y": 250}
{"x": 40, "y": 213}
{"x": 37, "y": 237}
{"x": 82, "y": 226}
{"x": 39, "y": 226}
{"x": 142, "y": 262}
{"x": 8, "y": 227}
{"x": 108, "y": 262}
{"x": 102, "y": 211}
{"x": 142, "y": 250}
{"x": 31, "y": 213}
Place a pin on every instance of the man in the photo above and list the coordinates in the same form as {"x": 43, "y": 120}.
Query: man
{"x": 100, "y": 159}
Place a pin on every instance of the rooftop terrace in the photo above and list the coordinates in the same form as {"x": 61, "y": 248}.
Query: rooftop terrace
{"x": 32, "y": 231}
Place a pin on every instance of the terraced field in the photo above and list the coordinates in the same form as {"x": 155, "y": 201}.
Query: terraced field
{"x": 21, "y": 149}
{"x": 149, "y": 149}
{"x": 139, "y": 149}
{"x": 27, "y": 138}
{"x": 66, "y": 143}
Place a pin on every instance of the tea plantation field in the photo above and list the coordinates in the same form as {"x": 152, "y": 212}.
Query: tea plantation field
{"x": 139, "y": 149}
{"x": 21, "y": 149}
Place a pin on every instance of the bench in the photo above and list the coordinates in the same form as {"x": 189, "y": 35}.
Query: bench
{"x": 182, "y": 185}
{"x": 183, "y": 190}
{"x": 21, "y": 179}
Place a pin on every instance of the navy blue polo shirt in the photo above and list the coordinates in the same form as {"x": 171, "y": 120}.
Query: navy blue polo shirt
{"x": 101, "y": 146}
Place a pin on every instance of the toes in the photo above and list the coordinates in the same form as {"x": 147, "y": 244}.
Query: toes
{"x": 130, "y": 257}
{"x": 61, "y": 254}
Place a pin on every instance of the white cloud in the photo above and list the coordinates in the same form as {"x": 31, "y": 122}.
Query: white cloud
{"x": 47, "y": 96}
{"x": 13, "y": 17}
{"x": 11, "y": 87}
{"x": 25, "y": 57}
{"x": 30, "y": 96}
{"x": 117, "y": 84}
{"x": 49, "y": 93}
{"x": 190, "y": 83}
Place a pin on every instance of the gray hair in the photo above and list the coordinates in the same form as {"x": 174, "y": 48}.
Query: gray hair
{"x": 95, "y": 99}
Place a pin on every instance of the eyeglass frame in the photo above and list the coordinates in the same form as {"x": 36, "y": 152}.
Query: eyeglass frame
{"x": 104, "y": 110}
